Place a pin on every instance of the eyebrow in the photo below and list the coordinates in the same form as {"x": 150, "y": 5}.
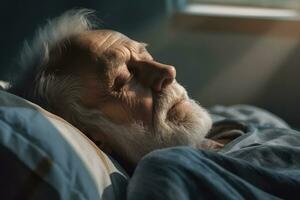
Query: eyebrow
{"x": 142, "y": 47}
{"x": 115, "y": 60}
{"x": 144, "y": 44}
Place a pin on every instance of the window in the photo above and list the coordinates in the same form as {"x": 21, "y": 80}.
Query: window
{"x": 270, "y": 9}
{"x": 285, "y": 4}
{"x": 273, "y": 17}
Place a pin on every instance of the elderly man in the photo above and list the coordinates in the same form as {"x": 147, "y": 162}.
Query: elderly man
{"x": 111, "y": 88}
{"x": 129, "y": 104}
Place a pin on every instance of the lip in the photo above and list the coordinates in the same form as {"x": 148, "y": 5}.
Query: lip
{"x": 182, "y": 99}
{"x": 178, "y": 112}
{"x": 177, "y": 103}
{"x": 156, "y": 99}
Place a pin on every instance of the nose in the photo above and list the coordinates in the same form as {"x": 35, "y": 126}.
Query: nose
{"x": 156, "y": 75}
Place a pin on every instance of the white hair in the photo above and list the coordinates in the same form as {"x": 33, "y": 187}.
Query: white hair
{"x": 48, "y": 90}
{"x": 60, "y": 94}
{"x": 35, "y": 55}
{"x": 70, "y": 23}
{"x": 4, "y": 85}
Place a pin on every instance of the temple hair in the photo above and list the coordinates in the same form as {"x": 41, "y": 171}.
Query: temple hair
{"x": 35, "y": 55}
{"x": 59, "y": 94}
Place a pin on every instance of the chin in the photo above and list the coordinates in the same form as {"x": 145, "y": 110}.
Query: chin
{"x": 180, "y": 120}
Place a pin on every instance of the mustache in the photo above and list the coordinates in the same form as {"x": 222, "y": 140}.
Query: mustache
{"x": 167, "y": 98}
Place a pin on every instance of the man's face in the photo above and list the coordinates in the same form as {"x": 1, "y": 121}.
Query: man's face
{"x": 123, "y": 81}
{"x": 128, "y": 78}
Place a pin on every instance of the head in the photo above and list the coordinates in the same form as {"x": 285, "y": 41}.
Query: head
{"x": 110, "y": 87}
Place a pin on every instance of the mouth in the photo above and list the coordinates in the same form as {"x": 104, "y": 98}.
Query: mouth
{"x": 175, "y": 105}
{"x": 178, "y": 103}
{"x": 179, "y": 111}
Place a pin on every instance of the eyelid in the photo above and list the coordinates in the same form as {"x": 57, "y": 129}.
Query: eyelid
{"x": 120, "y": 82}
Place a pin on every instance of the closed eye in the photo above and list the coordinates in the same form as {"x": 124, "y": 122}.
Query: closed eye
{"x": 121, "y": 81}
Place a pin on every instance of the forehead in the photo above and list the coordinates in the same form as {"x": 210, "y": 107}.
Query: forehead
{"x": 101, "y": 41}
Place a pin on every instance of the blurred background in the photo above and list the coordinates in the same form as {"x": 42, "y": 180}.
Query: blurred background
{"x": 225, "y": 51}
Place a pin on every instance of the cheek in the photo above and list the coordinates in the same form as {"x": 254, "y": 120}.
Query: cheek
{"x": 144, "y": 110}
{"x": 124, "y": 111}
{"x": 116, "y": 112}
{"x": 136, "y": 104}
{"x": 139, "y": 103}
{"x": 95, "y": 97}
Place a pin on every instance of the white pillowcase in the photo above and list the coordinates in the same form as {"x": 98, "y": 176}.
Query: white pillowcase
{"x": 76, "y": 168}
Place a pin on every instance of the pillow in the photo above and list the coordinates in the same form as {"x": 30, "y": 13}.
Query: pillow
{"x": 45, "y": 157}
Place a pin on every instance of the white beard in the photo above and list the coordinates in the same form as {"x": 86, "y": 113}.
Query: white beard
{"x": 133, "y": 141}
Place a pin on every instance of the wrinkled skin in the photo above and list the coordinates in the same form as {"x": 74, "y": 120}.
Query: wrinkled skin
{"x": 123, "y": 81}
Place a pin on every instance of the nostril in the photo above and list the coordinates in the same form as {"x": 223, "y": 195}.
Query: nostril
{"x": 171, "y": 72}
{"x": 167, "y": 76}
{"x": 157, "y": 75}
{"x": 170, "y": 75}
{"x": 166, "y": 82}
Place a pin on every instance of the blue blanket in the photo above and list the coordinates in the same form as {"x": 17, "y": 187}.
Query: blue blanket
{"x": 263, "y": 162}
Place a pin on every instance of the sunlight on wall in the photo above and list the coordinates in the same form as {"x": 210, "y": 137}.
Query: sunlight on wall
{"x": 243, "y": 80}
